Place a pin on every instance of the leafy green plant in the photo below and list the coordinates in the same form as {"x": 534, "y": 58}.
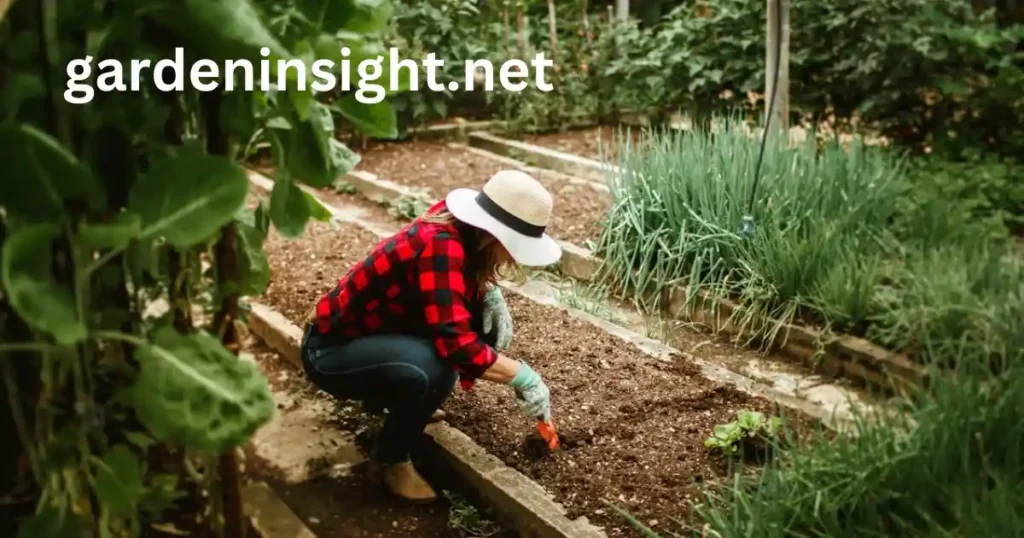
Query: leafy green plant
{"x": 409, "y": 206}
{"x": 466, "y": 521}
{"x": 128, "y": 243}
{"x": 950, "y": 466}
{"x": 453, "y": 32}
{"x": 749, "y": 426}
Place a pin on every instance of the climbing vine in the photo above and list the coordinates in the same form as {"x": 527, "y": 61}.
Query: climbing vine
{"x": 128, "y": 247}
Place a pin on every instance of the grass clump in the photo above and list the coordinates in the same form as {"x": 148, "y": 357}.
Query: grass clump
{"x": 843, "y": 240}
{"x": 957, "y": 471}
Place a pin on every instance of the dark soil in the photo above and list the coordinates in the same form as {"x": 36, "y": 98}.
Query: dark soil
{"x": 439, "y": 168}
{"x": 632, "y": 427}
{"x": 598, "y": 143}
{"x": 304, "y": 269}
{"x": 353, "y": 505}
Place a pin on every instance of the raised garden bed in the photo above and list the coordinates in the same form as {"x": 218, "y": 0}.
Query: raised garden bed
{"x": 598, "y": 143}
{"x": 439, "y": 168}
{"x": 634, "y": 426}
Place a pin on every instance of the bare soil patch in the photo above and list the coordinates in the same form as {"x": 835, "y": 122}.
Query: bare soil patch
{"x": 633, "y": 427}
{"x": 302, "y": 270}
{"x": 598, "y": 143}
{"x": 439, "y": 168}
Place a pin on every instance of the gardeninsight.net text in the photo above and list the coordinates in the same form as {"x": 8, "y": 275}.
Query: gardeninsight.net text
{"x": 325, "y": 75}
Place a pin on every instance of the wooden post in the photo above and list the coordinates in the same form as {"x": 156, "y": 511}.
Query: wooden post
{"x": 776, "y": 43}
{"x": 520, "y": 39}
{"x": 553, "y": 32}
{"x": 622, "y": 9}
{"x": 586, "y": 25}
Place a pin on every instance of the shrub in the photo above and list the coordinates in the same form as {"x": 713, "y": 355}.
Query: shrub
{"x": 924, "y": 72}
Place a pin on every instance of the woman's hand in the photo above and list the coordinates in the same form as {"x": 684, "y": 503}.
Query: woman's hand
{"x": 532, "y": 394}
{"x": 497, "y": 317}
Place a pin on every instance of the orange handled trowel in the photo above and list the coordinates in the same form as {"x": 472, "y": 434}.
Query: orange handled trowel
{"x": 548, "y": 433}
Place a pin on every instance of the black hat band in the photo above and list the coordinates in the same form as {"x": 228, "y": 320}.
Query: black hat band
{"x": 506, "y": 218}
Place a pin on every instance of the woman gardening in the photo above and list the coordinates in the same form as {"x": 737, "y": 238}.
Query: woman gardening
{"x": 424, "y": 309}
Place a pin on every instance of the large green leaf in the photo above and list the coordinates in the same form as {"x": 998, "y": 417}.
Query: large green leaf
{"x": 188, "y": 196}
{"x": 289, "y": 209}
{"x": 41, "y": 177}
{"x": 343, "y": 159}
{"x": 374, "y": 119}
{"x": 328, "y": 47}
{"x": 362, "y": 16}
{"x": 317, "y": 210}
{"x": 193, "y": 392}
{"x": 115, "y": 233}
{"x": 253, "y": 267}
{"x": 51, "y": 522}
{"x": 309, "y": 154}
{"x": 119, "y": 481}
{"x": 221, "y": 28}
{"x": 40, "y": 300}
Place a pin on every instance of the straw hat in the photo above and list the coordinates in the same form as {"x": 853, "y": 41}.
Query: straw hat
{"x": 515, "y": 209}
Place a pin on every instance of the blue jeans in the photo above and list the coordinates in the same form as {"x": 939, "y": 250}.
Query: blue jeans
{"x": 399, "y": 372}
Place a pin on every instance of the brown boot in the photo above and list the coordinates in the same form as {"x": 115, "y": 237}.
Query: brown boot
{"x": 403, "y": 480}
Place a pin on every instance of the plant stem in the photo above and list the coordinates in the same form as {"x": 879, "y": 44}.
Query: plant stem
{"x": 51, "y": 54}
{"x": 18, "y": 413}
{"x": 226, "y": 263}
{"x": 120, "y": 337}
{"x": 39, "y": 347}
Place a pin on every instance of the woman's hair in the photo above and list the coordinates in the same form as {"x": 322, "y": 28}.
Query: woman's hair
{"x": 487, "y": 261}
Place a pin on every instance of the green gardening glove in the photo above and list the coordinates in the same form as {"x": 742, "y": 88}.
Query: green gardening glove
{"x": 497, "y": 317}
{"x": 532, "y": 394}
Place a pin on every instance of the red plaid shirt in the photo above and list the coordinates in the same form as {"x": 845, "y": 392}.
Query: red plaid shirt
{"x": 414, "y": 282}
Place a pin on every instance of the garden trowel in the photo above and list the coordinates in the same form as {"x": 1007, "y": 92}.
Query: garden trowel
{"x": 548, "y": 433}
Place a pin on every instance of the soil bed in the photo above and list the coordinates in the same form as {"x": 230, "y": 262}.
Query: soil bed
{"x": 633, "y": 427}
{"x": 350, "y": 505}
{"x": 598, "y": 143}
{"x": 439, "y": 168}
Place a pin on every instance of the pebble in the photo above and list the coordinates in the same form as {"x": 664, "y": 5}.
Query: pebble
{"x": 314, "y": 521}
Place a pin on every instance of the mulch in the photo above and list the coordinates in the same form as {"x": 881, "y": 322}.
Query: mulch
{"x": 633, "y": 427}
{"x": 439, "y": 168}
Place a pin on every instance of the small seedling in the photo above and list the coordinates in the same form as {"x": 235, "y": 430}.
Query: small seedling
{"x": 748, "y": 426}
{"x": 466, "y": 521}
{"x": 344, "y": 187}
{"x": 408, "y": 206}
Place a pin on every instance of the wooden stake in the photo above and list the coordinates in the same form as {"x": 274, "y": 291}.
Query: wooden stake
{"x": 586, "y": 24}
{"x": 508, "y": 31}
{"x": 519, "y": 30}
{"x": 778, "y": 12}
{"x": 622, "y": 9}
{"x": 553, "y": 31}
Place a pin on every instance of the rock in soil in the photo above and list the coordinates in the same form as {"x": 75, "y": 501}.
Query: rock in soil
{"x": 632, "y": 434}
